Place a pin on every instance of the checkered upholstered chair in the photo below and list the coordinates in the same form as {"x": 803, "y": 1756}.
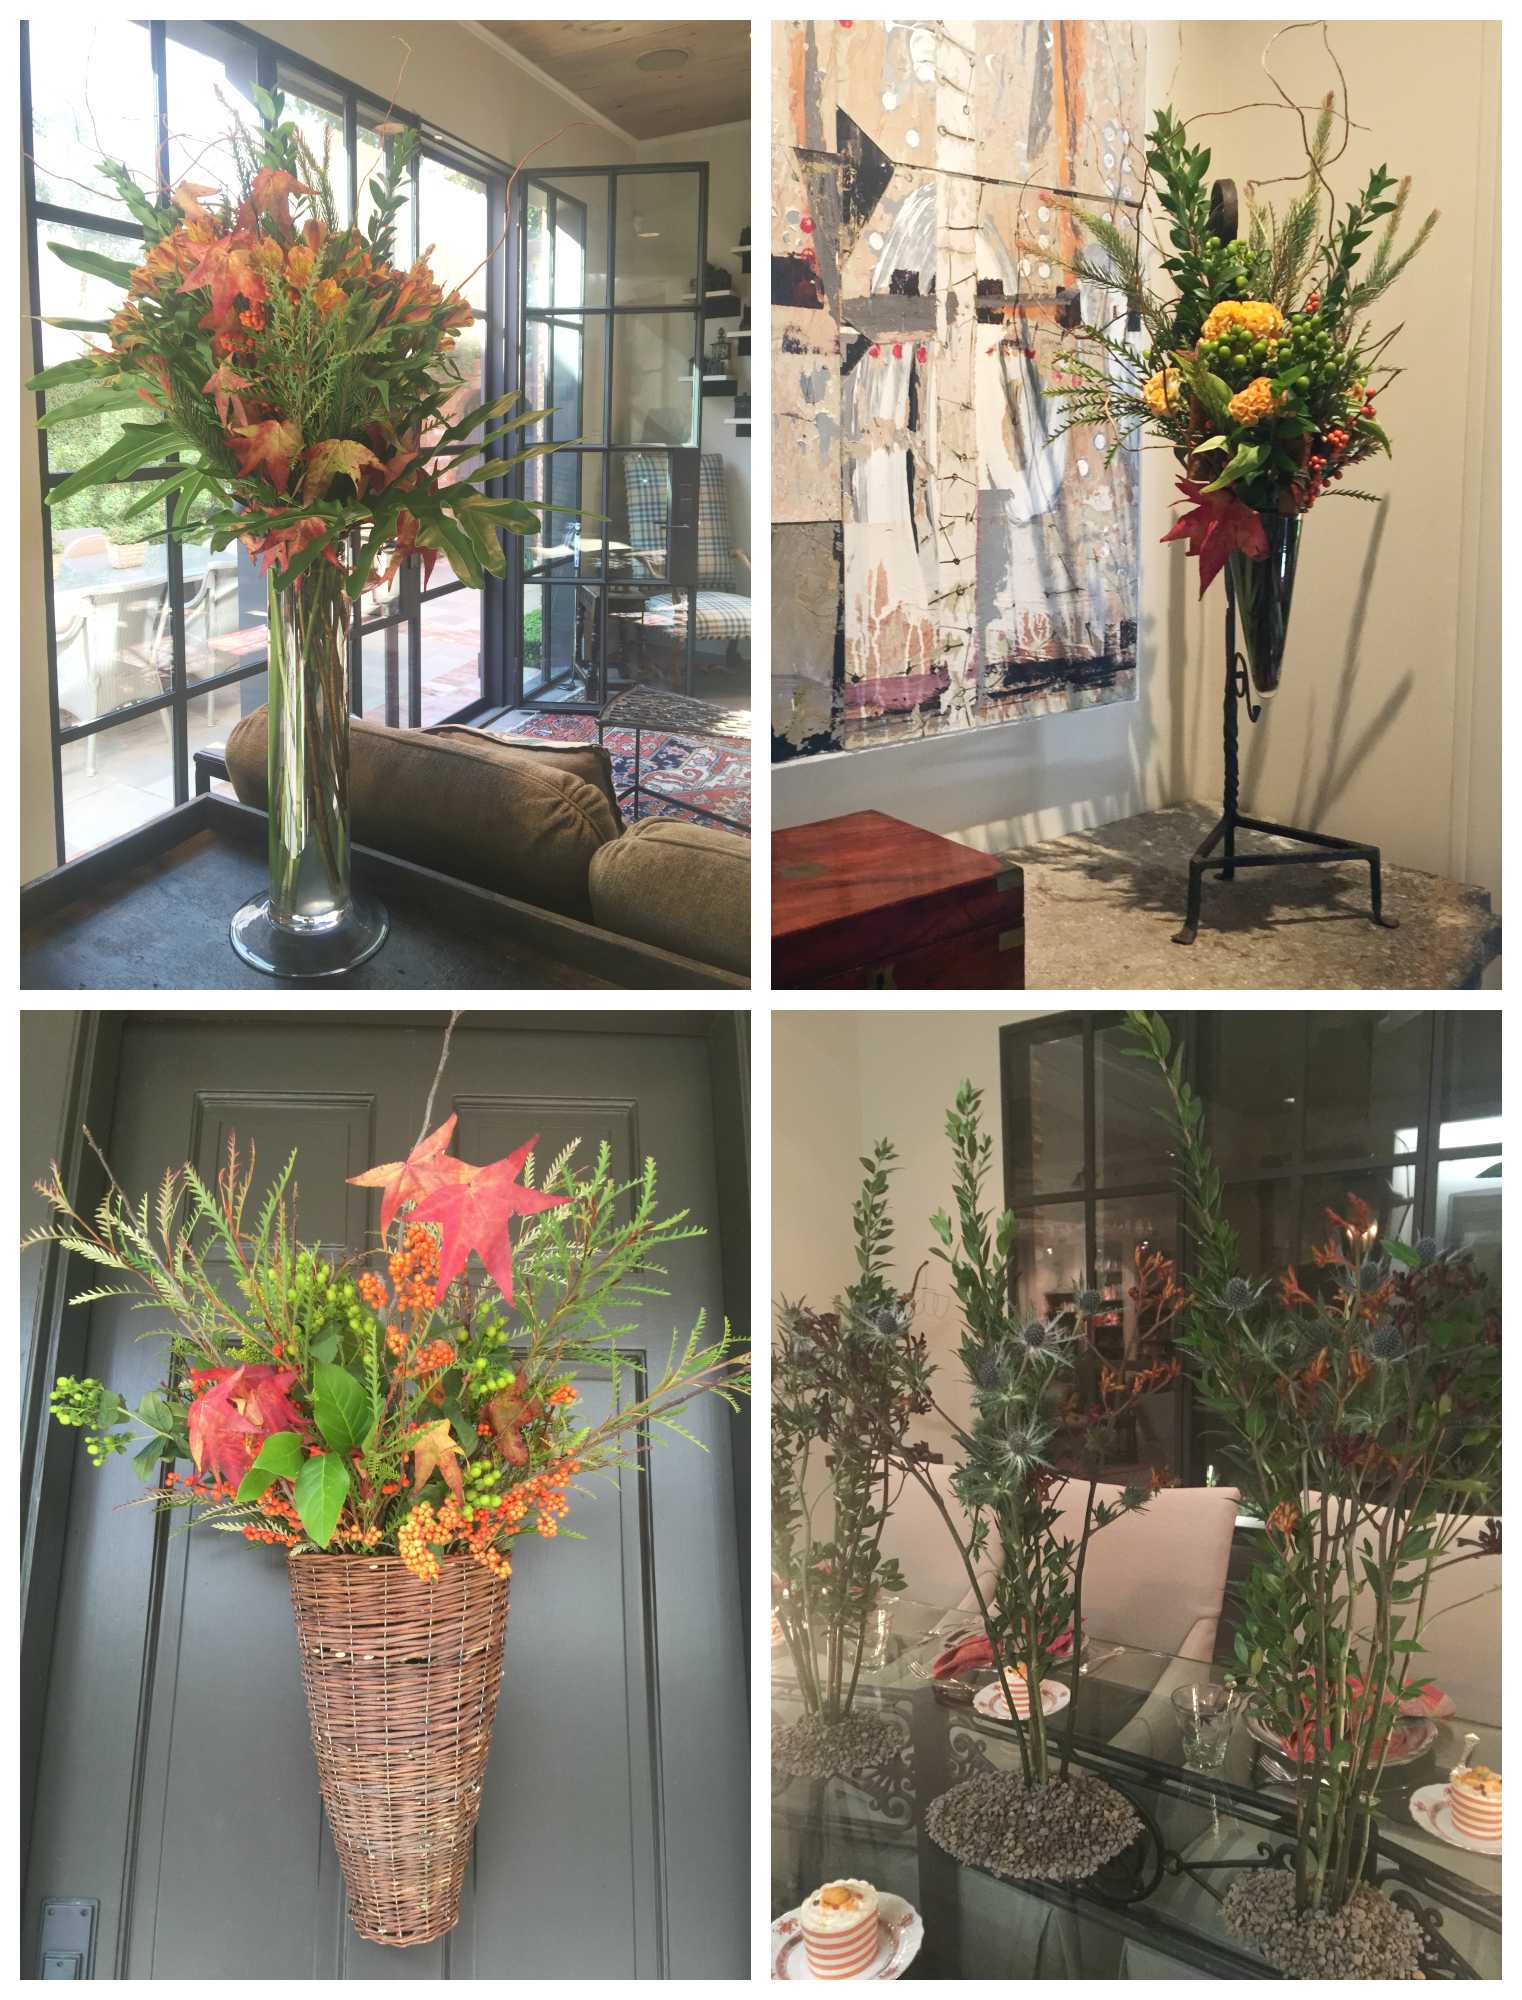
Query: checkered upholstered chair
{"x": 722, "y": 607}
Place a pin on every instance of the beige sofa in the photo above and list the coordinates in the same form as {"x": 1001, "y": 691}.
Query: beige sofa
{"x": 539, "y": 822}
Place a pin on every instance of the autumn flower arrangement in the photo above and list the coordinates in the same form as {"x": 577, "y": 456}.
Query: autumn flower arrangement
{"x": 395, "y": 1424}
{"x": 398, "y": 1405}
{"x": 294, "y": 381}
{"x": 296, "y": 391}
{"x": 1364, "y": 1407}
{"x": 1258, "y": 365}
{"x": 846, "y": 1386}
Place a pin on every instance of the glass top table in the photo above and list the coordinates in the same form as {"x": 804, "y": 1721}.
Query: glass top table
{"x": 1159, "y": 1914}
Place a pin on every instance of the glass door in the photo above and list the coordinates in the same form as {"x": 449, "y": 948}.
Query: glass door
{"x": 611, "y": 347}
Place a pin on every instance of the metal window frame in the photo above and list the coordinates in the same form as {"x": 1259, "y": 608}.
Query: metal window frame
{"x": 610, "y": 312}
{"x": 1016, "y": 1038}
{"x": 359, "y": 104}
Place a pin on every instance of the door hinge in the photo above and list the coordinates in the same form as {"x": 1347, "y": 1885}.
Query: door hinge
{"x": 67, "y": 1945}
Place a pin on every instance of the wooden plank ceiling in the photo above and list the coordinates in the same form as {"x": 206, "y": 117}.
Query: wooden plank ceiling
{"x": 599, "y": 61}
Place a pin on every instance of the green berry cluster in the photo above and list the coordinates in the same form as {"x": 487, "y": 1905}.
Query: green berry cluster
{"x": 486, "y": 1379}
{"x": 1307, "y": 340}
{"x": 483, "y": 1484}
{"x": 1237, "y": 358}
{"x": 77, "y": 1403}
{"x": 1222, "y": 266}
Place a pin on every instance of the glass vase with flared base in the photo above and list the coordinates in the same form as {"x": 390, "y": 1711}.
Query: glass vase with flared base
{"x": 309, "y": 924}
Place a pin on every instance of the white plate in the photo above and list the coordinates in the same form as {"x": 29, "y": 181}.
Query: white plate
{"x": 1417, "y": 1739}
{"x": 1430, "y": 1808}
{"x": 991, "y": 1705}
{"x": 900, "y": 1933}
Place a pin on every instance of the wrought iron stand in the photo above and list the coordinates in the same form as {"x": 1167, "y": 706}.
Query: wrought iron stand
{"x": 1320, "y": 847}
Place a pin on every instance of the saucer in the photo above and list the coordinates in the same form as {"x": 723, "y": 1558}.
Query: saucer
{"x": 1430, "y": 1808}
{"x": 900, "y": 1932}
{"x": 989, "y": 1701}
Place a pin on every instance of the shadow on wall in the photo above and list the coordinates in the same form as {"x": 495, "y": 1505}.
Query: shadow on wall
{"x": 1330, "y": 758}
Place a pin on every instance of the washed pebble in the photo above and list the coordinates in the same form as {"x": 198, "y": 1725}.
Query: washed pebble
{"x": 1062, "y": 1831}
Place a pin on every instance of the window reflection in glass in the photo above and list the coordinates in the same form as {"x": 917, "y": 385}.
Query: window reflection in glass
{"x": 1129, "y": 1098}
{"x": 657, "y": 250}
{"x": 450, "y": 627}
{"x": 210, "y": 77}
{"x": 453, "y": 220}
{"x": 1366, "y": 1084}
{"x": 1390, "y": 1196}
{"x": 1047, "y": 1114}
{"x": 1471, "y": 1078}
{"x": 1469, "y": 1209}
{"x": 92, "y": 99}
{"x": 1250, "y": 1079}
{"x": 1049, "y": 1257}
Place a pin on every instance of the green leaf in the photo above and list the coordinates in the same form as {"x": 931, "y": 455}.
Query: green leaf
{"x": 138, "y": 445}
{"x": 322, "y": 1486}
{"x": 86, "y": 406}
{"x": 80, "y": 369}
{"x": 156, "y": 1413}
{"x": 281, "y": 1457}
{"x": 1245, "y": 461}
{"x": 342, "y": 1409}
{"x": 93, "y": 263}
{"x": 146, "y": 1461}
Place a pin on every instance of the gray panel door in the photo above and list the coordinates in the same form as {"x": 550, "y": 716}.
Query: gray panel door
{"x": 176, "y": 1780}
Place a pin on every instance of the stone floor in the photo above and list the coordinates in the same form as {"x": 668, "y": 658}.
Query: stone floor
{"x": 1101, "y": 909}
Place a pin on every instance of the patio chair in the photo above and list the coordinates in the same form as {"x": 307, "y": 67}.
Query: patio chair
{"x": 720, "y": 610}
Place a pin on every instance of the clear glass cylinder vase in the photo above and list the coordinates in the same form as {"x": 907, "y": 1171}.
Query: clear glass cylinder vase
{"x": 309, "y": 924}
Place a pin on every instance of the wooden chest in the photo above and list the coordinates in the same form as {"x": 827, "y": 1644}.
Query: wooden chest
{"x": 867, "y": 900}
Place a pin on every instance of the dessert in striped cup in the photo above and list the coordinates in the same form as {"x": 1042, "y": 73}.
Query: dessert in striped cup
{"x": 1474, "y": 1797}
{"x": 839, "y": 1925}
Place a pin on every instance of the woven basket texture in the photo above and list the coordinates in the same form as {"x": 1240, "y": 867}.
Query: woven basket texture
{"x": 401, "y": 1681}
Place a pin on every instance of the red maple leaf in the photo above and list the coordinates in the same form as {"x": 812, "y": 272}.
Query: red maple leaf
{"x": 230, "y": 1420}
{"x": 426, "y": 1167}
{"x": 474, "y": 1214}
{"x": 1216, "y": 524}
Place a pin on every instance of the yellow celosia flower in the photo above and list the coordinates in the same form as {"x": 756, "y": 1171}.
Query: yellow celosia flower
{"x": 1254, "y": 316}
{"x": 1252, "y": 404}
{"x": 1161, "y": 391}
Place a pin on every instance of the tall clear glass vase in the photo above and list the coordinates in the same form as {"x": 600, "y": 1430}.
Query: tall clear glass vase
{"x": 310, "y": 924}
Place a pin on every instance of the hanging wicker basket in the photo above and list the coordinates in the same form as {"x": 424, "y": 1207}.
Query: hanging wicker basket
{"x": 401, "y": 1681}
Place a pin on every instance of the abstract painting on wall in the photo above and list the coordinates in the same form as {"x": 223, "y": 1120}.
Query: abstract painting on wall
{"x": 941, "y": 558}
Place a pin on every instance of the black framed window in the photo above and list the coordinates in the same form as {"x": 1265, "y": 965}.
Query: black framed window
{"x": 612, "y": 316}
{"x": 156, "y": 649}
{"x": 1400, "y": 1107}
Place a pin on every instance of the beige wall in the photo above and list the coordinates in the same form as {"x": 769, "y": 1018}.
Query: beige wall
{"x": 840, "y": 1081}
{"x": 469, "y": 89}
{"x": 1387, "y": 726}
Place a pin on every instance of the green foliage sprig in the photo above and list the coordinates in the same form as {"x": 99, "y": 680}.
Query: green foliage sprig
{"x": 846, "y": 1387}
{"x": 1365, "y": 1427}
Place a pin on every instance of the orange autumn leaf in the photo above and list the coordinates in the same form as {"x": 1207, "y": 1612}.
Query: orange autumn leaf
{"x": 335, "y": 458}
{"x": 268, "y": 447}
{"x": 434, "y": 1450}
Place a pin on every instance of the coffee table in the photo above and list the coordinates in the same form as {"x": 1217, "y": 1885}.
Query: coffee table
{"x": 684, "y": 715}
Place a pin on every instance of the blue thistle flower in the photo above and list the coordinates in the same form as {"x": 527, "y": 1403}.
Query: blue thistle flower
{"x": 1385, "y": 1344}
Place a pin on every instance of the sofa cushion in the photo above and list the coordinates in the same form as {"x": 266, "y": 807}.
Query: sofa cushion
{"x": 482, "y": 808}
{"x": 587, "y": 761}
{"x": 683, "y": 887}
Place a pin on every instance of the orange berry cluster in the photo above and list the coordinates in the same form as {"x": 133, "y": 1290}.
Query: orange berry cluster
{"x": 396, "y": 1340}
{"x": 415, "y": 1269}
{"x": 566, "y": 1393}
{"x": 372, "y": 1290}
{"x": 427, "y": 1529}
{"x": 432, "y": 1356}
